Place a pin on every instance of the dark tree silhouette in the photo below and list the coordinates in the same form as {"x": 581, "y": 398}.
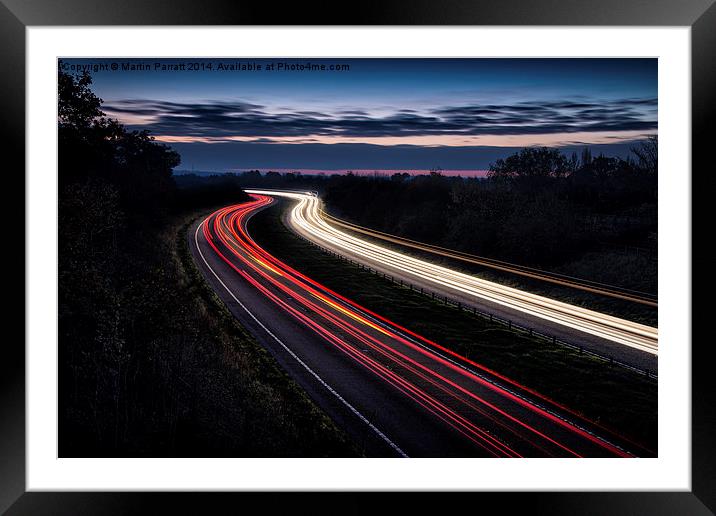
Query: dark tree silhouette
{"x": 537, "y": 207}
{"x": 647, "y": 154}
{"x": 532, "y": 162}
{"x": 117, "y": 281}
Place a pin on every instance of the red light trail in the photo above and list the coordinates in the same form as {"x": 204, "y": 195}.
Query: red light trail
{"x": 499, "y": 416}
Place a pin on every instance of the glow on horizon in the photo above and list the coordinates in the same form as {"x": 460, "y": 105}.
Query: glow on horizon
{"x": 522, "y": 140}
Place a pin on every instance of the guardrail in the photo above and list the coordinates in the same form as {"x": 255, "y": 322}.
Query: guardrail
{"x": 510, "y": 268}
{"x": 512, "y": 326}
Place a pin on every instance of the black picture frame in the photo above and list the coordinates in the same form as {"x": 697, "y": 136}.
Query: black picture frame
{"x": 17, "y": 15}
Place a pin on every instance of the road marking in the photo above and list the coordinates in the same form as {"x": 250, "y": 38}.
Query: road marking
{"x": 290, "y": 352}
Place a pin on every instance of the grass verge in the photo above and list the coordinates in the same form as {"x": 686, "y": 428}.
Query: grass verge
{"x": 275, "y": 417}
{"x": 158, "y": 366}
{"x": 609, "y": 395}
{"x": 193, "y": 382}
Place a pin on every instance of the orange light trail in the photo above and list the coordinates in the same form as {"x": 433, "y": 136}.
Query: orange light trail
{"x": 440, "y": 381}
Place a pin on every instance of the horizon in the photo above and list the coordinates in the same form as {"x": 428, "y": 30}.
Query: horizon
{"x": 328, "y": 172}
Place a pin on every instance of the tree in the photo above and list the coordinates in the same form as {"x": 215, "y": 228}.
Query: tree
{"x": 586, "y": 157}
{"x": 115, "y": 187}
{"x": 531, "y": 162}
{"x": 647, "y": 155}
{"x": 93, "y": 146}
{"x": 78, "y": 107}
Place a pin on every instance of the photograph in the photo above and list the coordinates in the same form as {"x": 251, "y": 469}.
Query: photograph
{"x": 310, "y": 260}
{"x": 364, "y": 257}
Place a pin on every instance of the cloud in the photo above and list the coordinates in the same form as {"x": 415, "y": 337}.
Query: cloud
{"x": 226, "y": 119}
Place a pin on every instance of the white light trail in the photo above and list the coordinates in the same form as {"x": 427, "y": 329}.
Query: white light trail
{"x": 306, "y": 219}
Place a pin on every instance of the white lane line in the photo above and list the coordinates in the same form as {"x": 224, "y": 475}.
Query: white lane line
{"x": 290, "y": 352}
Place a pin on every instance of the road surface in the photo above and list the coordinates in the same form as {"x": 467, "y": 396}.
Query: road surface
{"x": 633, "y": 343}
{"x": 395, "y": 393}
{"x": 563, "y": 280}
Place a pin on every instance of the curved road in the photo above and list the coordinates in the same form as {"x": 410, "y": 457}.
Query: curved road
{"x": 396, "y": 393}
{"x": 520, "y": 270}
{"x": 633, "y": 343}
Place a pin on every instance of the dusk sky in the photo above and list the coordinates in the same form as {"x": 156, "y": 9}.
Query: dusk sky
{"x": 381, "y": 113}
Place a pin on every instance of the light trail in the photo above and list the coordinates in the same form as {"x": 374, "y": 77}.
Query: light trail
{"x": 288, "y": 350}
{"x": 489, "y": 411}
{"x": 521, "y": 270}
{"x": 306, "y": 218}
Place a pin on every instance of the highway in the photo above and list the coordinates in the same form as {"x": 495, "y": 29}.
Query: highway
{"x": 520, "y": 270}
{"x": 394, "y": 392}
{"x": 628, "y": 341}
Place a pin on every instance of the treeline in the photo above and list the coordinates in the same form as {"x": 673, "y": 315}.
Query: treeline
{"x": 148, "y": 366}
{"x": 536, "y": 207}
{"x": 250, "y": 179}
{"x": 590, "y": 216}
{"x": 205, "y": 191}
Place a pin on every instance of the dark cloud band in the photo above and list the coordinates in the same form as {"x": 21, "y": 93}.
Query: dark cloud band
{"x": 224, "y": 119}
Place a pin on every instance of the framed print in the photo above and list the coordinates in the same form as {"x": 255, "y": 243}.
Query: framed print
{"x": 419, "y": 250}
